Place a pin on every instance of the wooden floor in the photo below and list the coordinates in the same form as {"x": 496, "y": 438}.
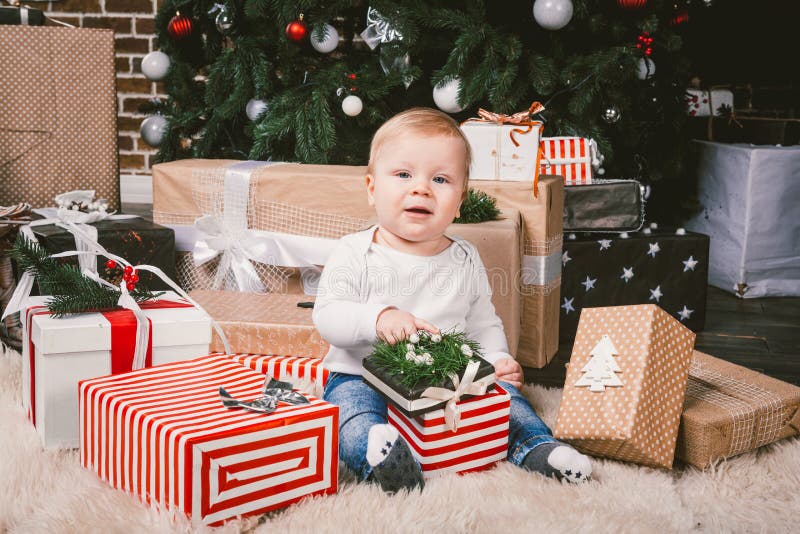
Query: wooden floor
{"x": 761, "y": 334}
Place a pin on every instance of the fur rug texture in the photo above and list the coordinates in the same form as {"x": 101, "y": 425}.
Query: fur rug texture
{"x": 48, "y": 492}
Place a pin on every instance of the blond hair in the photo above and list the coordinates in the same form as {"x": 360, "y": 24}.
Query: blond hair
{"x": 421, "y": 121}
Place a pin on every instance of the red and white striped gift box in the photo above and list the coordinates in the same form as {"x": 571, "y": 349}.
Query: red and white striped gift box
{"x": 480, "y": 441}
{"x": 285, "y": 367}
{"x": 570, "y": 157}
{"x": 163, "y": 434}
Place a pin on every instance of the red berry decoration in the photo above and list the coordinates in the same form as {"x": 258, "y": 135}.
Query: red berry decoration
{"x": 126, "y": 277}
{"x": 135, "y": 277}
{"x": 111, "y": 264}
{"x": 645, "y": 43}
{"x": 351, "y": 76}
{"x": 681, "y": 17}
{"x": 131, "y": 286}
{"x": 631, "y": 4}
{"x": 128, "y": 270}
{"x": 297, "y": 30}
{"x": 179, "y": 27}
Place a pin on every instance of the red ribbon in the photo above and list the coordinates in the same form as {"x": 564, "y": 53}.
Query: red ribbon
{"x": 123, "y": 340}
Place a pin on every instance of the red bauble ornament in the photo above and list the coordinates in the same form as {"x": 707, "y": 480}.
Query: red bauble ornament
{"x": 631, "y": 4}
{"x": 131, "y": 286}
{"x": 111, "y": 264}
{"x": 681, "y": 17}
{"x": 351, "y": 76}
{"x": 180, "y": 26}
{"x": 297, "y": 30}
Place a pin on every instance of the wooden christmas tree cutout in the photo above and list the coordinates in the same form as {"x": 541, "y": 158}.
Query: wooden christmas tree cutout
{"x": 601, "y": 369}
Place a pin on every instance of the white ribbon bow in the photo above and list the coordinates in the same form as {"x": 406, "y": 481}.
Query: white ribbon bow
{"x": 465, "y": 386}
{"x": 238, "y": 248}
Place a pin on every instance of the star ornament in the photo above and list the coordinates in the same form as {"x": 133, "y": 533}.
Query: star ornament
{"x": 604, "y": 243}
{"x": 568, "y": 305}
{"x": 627, "y": 274}
{"x": 689, "y": 264}
{"x": 656, "y": 294}
{"x": 589, "y": 283}
{"x": 654, "y": 249}
{"x": 565, "y": 258}
{"x": 685, "y": 313}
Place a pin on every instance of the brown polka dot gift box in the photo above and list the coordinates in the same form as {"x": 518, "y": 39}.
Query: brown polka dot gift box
{"x": 626, "y": 379}
{"x": 58, "y": 114}
{"x": 730, "y": 409}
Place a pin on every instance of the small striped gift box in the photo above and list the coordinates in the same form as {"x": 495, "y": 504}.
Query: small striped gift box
{"x": 480, "y": 441}
{"x": 291, "y": 368}
{"x": 570, "y": 157}
{"x": 162, "y": 433}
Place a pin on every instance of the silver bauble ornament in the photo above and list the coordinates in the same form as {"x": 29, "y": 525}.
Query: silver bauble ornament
{"x": 155, "y": 66}
{"x": 255, "y": 108}
{"x": 645, "y": 68}
{"x": 328, "y": 42}
{"x": 224, "y": 20}
{"x": 612, "y": 114}
{"x": 445, "y": 95}
{"x": 552, "y": 14}
{"x": 153, "y": 130}
{"x": 352, "y": 105}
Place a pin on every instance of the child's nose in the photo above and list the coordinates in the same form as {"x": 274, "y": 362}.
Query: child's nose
{"x": 421, "y": 187}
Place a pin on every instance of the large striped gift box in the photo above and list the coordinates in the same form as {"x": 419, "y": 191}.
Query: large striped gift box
{"x": 163, "y": 434}
{"x": 480, "y": 441}
{"x": 570, "y": 157}
{"x": 292, "y": 368}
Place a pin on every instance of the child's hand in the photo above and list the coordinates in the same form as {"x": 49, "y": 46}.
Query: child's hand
{"x": 395, "y": 325}
{"x": 510, "y": 371}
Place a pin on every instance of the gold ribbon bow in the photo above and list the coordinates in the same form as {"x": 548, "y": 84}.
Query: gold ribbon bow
{"x": 465, "y": 386}
{"x": 521, "y": 118}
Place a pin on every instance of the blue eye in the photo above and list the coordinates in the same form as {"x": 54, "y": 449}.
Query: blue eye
{"x": 440, "y": 180}
{"x": 403, "y": 174}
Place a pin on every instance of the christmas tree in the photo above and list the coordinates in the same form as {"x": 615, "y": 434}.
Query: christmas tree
{"x": 310, "y": 80}
{"x": 601, "y": 369}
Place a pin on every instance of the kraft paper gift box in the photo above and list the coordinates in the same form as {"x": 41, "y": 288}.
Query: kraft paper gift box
{"x": 270, "y": 324}
{"x": 58, "y": 114}
{"x": 624, "y": 390}
{"x": 480, "y": 441}
{"x": 313, "y": 206}
{"x": 163, "y": 435}
{"x": 730, "y": 409}
{"x": 657, "y": 266}
{"x": 58, "y": 353}
{"x": 570, "y": 157}
{"x": 751, "y": 212}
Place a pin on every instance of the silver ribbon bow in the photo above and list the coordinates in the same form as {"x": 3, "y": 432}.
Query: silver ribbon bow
{"x": 464, "y": 386}
{"x": 274, "y": 393}
{"x": 379, "y": 30}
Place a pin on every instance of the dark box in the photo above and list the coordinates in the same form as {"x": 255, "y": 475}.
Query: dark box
{"x": 409, "y": 400}
{"x": 17, "y": 16}
{"x": 660, "y": 267}
{"x": 137, "y": 240}
{"x": 604, "y": 206}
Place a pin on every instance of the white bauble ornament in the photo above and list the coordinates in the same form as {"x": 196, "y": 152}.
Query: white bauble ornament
{"x": 153, "y": 130}
{"x": 552, "y": 14}
{"x": 446, "y": 96}
{"x": 255, "y": 108}
{"x": 352, "y": 105}
{"x": 329, "y": 41}
{"x": 155, "y": 66}
{"x": 645, "y": 68}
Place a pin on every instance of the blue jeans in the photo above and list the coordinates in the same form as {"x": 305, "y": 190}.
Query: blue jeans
{"x": 360, "y": 407}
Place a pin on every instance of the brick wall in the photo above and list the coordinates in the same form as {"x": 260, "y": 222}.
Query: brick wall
{"x": 133, "y": 25}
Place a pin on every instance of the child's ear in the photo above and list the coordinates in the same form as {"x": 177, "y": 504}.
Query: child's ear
{"x": 370, "y": 180}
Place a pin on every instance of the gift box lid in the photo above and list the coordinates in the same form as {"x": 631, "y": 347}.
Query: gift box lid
{"x": 409, "y": 400}
{"x": 92, "y": 332}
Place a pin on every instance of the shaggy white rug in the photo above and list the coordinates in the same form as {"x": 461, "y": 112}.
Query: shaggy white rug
{"x": 48, "y": 491}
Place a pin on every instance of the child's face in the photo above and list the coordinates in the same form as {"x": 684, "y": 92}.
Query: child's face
{"x": 417, "y": 185}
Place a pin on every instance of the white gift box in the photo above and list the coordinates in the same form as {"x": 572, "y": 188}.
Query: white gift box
{"x": 59, "y": 353}
{"x": 751, "y": 209}
{"x": 495, "y": 156}
{"x": 701, "y": 103}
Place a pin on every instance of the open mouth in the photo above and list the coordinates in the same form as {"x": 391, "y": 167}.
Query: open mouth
{"x": 419, "y": 210}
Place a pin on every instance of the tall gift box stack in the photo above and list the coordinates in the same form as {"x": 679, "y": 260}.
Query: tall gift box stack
{"x": 624, "y": 390}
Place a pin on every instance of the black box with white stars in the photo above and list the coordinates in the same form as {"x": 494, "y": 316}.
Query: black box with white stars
{"x": 664, "y": 267}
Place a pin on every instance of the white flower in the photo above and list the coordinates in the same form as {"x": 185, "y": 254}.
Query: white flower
{"x": 466, "y": 350}
{"x": 414, "y": 338}
{"x": 75, "y": 207}
{"x": 427, "y": 359}
{"x": 411, "y": 356}
{"x": 409, "y": 347}
{"x": 436, "y": 338}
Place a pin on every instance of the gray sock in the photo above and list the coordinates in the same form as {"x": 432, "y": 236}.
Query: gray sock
{"x": 393, "y": 465}
{"x": 560, "y": 461}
